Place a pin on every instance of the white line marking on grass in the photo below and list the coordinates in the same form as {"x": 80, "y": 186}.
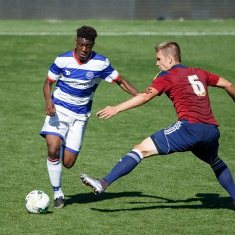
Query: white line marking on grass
{"x": 121, "y": 34}
{"x": 168, "y": 33}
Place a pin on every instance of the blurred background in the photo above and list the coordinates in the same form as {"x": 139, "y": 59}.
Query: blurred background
{"x": 117, "y": 9}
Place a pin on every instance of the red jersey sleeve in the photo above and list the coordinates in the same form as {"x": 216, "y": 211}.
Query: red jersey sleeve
{"x": 212, "y": 79}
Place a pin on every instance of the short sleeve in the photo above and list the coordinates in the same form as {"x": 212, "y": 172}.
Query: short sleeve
{"x": 109, "y": 74}
{"x": 55, "y": 70}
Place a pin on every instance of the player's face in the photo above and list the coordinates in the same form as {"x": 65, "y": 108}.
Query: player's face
{"x": 84, "y": 48}
{"x": 163, "y": 61}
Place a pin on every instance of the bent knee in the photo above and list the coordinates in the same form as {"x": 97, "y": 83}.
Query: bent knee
{"x": 68, "y": 165}
{"x": 69, "y": 160}
{"x": 147, "y": 148}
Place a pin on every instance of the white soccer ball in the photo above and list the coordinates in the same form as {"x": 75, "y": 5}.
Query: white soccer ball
{"x": 37, "y": 202}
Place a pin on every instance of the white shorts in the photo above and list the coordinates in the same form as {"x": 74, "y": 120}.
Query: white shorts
{"x": 69, "y": 129}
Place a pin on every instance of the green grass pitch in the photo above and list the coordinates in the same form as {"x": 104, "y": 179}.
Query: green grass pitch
{"x": 177, "y": 194}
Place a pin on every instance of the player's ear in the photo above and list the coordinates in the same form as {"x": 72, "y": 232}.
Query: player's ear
{"x": 171, "y": 60}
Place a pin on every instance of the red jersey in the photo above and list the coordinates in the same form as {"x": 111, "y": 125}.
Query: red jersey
{"x": 187, "y": 88}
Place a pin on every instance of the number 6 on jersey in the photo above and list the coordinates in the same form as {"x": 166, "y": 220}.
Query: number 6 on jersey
{"x": 198, "y": 87}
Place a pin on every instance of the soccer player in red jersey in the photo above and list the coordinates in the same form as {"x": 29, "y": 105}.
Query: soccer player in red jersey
{"x": 196, "y": 129}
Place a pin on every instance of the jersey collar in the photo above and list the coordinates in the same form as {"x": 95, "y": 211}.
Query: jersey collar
{"x": 178, "y": 66}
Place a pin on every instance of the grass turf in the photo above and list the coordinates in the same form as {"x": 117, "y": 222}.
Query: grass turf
{"x": 167, "y": 195}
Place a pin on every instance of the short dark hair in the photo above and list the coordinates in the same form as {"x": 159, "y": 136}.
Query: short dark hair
{"x": 87, "y": 32}
{"x": 172, "y": 48}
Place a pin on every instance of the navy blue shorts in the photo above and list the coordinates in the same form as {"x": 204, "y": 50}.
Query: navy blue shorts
{"x": 201, "y": 139}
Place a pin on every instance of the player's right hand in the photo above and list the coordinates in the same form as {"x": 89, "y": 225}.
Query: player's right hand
{"x": 50, "y": 109}
{"x": 107, "y": 112}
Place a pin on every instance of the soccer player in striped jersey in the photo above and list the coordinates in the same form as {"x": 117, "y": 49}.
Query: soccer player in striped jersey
{"x": 196, "y": 129}
{"x": 77, "y": 74}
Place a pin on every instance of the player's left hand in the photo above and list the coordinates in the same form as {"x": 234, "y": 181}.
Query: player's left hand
{"x": 107, "y": 112}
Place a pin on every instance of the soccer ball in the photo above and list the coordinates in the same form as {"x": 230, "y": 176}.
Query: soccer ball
{"x": 37, "y": 202}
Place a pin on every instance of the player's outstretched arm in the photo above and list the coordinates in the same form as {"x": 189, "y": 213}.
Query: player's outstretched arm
{"x": 126, "y": 86}
{"x": 227, "y": 86}
{"x": 135, "y": 101}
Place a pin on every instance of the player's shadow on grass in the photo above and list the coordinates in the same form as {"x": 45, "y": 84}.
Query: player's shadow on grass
{"x": 83, "y": 198}
{"x": 201, "y": 201}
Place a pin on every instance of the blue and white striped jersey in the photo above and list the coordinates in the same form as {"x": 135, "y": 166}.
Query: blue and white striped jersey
{"x": 77, "y": 82}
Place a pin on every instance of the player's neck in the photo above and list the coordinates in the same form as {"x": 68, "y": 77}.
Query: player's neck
{"x": 75, "y": 54}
